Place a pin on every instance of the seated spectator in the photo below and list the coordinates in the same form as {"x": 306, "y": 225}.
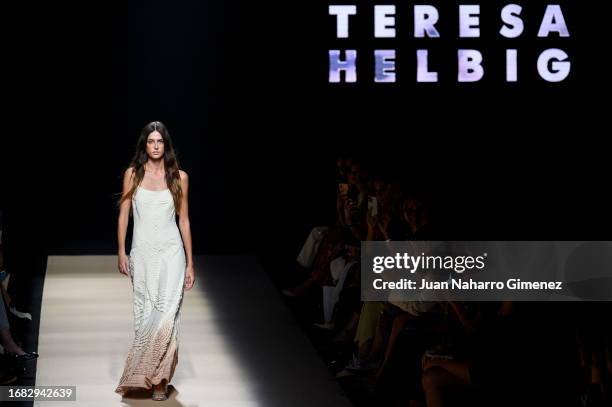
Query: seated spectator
{"x": 12, "y": 351}
{"x": 481, "y": 363}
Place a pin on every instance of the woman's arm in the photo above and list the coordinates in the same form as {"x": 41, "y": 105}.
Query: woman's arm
{"x": 186, "y": 231}
{"x": 122, "y": 224}
{"x": 340, "y": 199}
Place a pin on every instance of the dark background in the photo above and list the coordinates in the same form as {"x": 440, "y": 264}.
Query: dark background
{"x": 500, "y": 161}
{"x": 243, "y": 90}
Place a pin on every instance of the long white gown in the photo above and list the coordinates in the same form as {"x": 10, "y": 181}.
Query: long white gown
{"x": 157, "y": 271}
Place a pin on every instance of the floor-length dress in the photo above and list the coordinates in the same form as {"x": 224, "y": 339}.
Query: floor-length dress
{"x": 157, "y": 272}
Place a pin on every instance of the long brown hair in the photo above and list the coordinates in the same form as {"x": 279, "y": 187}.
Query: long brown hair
{"x": 171, "y": 165}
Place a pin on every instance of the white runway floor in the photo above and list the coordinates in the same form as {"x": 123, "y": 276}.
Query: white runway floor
{"x": 239, "y": 346}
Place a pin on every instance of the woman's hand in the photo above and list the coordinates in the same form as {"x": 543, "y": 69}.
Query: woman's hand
{"x": 350, "y": 211}
{"x": 340, "y": 200}
{"x": 189, "y": 277}
{"x": 124, "y": 264}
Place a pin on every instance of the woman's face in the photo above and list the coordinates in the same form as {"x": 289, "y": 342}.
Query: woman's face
{"x": 340, "y": 166}
{"x": 354, "y": 174}
{"x": 155, "y": 145}
{"x": 383, "y": 192}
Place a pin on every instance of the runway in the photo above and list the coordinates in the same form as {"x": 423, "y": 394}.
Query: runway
{"x": 239, "y": 345}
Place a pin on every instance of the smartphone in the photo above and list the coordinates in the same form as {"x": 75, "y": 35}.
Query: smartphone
{"x": 373, "y": 205}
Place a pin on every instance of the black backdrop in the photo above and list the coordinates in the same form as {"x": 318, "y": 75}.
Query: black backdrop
{"x": 503, "y": 161}
{"x": 86, "y": 78}
{"x": 243, "y": 89}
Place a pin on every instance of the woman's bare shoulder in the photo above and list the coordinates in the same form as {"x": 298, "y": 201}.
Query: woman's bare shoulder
{"x": 128, "y": 174}
{"x": 183, "y": 175}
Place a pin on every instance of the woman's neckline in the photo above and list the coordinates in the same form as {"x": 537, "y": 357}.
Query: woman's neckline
{"x": 153, "y": 190}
